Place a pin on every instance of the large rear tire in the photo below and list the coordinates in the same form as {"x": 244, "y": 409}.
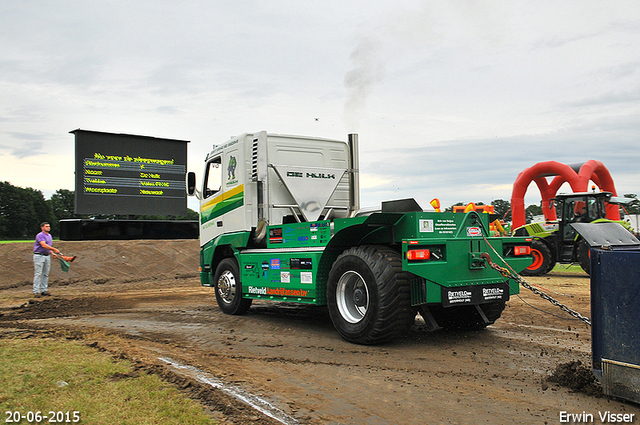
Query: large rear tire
{"x": 541, "y": 259}
{"x": 584, "y": 257}
{"x": 368, "y": 295}
{"x": 228, "y": 288}
{"x": 464, "y": 318}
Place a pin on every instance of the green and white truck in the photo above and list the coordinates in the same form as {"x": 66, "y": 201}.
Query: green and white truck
{"x": 280, "y": 220}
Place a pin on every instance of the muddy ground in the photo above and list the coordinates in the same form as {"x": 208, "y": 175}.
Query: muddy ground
{"x": 142, "y": 300}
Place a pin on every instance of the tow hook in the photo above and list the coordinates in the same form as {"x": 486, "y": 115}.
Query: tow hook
{"x": 477, "y": 261}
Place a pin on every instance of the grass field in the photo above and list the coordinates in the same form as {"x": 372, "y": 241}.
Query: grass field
{"x": 73, "y": 383}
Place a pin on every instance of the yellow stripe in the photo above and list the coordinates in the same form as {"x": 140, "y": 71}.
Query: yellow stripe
{"x": 222, "y": 197}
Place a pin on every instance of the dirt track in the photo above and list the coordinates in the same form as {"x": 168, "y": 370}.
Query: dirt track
{"x": 142, "y": 300}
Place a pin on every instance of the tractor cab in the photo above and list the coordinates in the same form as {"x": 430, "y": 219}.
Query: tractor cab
{"x": 557, "y": 241}
{"x": 579, "y": 208}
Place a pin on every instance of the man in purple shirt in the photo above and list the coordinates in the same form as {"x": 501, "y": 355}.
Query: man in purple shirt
{"x": 42, "y": 252}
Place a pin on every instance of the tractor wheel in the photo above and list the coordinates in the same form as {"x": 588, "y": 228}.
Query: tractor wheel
{"x": 228, "y": 288}
{"x": 368, "y": 295}
{"x": 584, "y": 257}
{"x": 541, "y": 259}
{"x": 466, "y": 317}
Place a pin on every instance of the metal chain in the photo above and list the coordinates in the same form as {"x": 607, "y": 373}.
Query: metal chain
{"x": 506, "y": 273}
{"x": 512, "y": 275}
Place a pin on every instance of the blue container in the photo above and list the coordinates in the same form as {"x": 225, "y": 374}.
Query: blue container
{"x": 615, "y": 317}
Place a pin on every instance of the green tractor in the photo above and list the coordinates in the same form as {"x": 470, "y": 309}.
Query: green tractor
{"x": 557, "y": 241}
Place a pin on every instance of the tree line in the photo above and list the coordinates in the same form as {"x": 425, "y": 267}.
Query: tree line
{"x": 23, "y": 209}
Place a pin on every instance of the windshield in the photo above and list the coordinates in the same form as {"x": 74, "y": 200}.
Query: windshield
{"x": 213, "y": 177}
{"x": 583, "y": 209}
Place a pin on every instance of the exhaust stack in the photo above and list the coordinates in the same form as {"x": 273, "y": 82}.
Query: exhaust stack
{"x": 354, "y": 181}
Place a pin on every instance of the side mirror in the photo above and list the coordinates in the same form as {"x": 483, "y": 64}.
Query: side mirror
{"x": 191, "y": 183}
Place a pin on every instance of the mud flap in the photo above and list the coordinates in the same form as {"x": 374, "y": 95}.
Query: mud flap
{"x": 475, "y": 295}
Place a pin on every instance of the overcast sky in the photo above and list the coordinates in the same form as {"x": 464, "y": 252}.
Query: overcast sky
{"x": 451, "y": 99}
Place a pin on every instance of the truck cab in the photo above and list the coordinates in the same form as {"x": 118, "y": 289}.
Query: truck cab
{"x": 259, "y": 179}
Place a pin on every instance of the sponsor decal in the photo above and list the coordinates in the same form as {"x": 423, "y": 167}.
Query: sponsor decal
{"x": 491, "y": 294}
{"x": 474, "y": 231}
{"x": 458, "y": 297}
{"x": 321, "y": 176}
{"x": 285, "y": 277}
{"x": 306, "y": 277}
{"x": 275, "y": 264}
{"x": 301, "y": 263}
{"x": 281, "y": 292}
{"x": 284, "y": 292}
{"x": 445, "y": 226}
{"x": 426, "y": 226}
{"x": 231, "y": 170}
{"x": 311, "y": 175}
{"x": 275, "y": 235}
{"x": 255, "y": 290}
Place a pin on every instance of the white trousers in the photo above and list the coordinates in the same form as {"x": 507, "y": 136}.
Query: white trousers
{"x": 41, "y": 267}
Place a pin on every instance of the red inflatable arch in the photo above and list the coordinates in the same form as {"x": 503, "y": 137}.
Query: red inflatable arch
{"x": 577, "y": 175}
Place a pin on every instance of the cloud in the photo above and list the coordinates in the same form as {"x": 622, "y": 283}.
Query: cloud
{"x": 24, "y": 150}
{"x": 24, "y": 145}
{"x": 484, "y": 169}
{"x": 451, "y": 99}
{"x": 631, "y": 96}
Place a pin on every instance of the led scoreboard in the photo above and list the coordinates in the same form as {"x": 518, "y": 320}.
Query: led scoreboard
{"x": 128, "y": 174}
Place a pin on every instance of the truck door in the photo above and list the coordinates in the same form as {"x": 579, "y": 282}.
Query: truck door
{"x": 223, "y": 195}
{"x": 211, "y": 191}
{"x": 575, "y": 210}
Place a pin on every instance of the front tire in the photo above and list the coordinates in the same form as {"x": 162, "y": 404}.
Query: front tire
{"x": 228, "y": 288}
{"x": 541, "y": 259}
{"x": 368, "y": 295}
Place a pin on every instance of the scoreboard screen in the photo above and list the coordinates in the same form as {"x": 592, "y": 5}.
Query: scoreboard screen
{"x": 129, "y": 174}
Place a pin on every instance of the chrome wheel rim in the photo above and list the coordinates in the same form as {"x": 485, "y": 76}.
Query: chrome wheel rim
{"x": 352, "y": 295}
{"x": 227, "y": 287}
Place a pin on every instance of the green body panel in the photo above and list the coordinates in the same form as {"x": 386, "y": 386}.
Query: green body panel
{"x": 299, "y": 235}
{"x": 624, "y": 224}
{"x": 277, "y": 275}
{"x": 456, "y": 242}
{"x": 540, "y": 230}
{"x": 216, "y": 250}
{"x": 296, "y": 262}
